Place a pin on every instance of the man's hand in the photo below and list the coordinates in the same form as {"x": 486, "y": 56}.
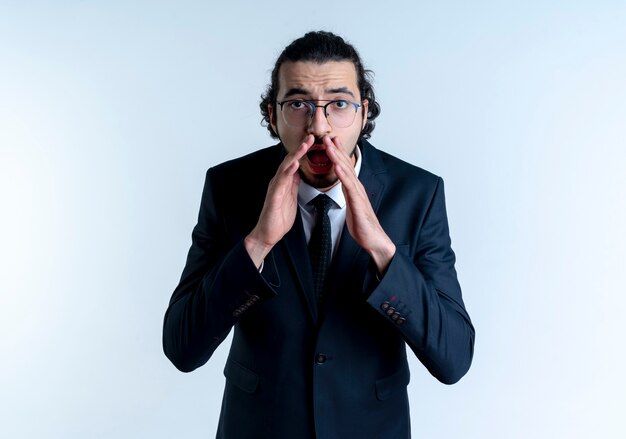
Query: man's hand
{"x": 280, "y": 207}
{"x": 361, "y": 220}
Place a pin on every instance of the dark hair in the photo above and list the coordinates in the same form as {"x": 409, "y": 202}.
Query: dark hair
{"x": 320, "y": 47}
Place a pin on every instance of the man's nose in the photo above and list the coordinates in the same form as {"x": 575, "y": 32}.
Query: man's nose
{"x": 318, "y": 125}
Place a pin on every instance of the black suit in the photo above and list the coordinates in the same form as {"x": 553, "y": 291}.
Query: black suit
{"x": 295, "y": 371}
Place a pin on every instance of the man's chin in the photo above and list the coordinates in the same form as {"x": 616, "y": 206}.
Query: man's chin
{"x": 321, "y": 182}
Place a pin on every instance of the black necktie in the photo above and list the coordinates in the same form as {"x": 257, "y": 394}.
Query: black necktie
{"x": 320, "y": 244}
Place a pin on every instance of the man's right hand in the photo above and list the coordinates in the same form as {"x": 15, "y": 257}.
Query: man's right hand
{"x": 280, "y": 207}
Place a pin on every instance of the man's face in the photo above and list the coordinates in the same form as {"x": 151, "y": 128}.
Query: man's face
{"x": 333, "y": 80}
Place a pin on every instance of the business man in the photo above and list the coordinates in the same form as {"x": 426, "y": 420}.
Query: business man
{"x": 328, "y": 257}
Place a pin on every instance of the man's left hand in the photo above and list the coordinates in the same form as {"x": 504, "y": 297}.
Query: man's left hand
{"x": 361, "y": 220}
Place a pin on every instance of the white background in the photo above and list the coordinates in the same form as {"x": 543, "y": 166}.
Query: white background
{"x": 111, "y": 112}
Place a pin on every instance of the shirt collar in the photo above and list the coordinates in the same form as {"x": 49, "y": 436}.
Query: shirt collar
{"x": 306, "y": 192}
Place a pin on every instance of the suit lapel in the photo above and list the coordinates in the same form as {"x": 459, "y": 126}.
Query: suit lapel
{"x": 295, "y": 243}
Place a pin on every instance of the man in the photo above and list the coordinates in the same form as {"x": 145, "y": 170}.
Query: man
{"x": 324, "y": 292}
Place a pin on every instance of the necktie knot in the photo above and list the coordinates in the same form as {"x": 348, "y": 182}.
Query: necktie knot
{"x": 322, "y": 204}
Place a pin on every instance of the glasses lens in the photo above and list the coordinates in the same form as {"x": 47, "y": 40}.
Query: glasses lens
{"x": 340, "y": 114}
{"x": 296, "y": 114}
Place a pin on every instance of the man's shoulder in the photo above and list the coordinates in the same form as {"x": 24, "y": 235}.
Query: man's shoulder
{"x": 268, "y": 154}
{"x": 258, "y": 164}
{"x": 395, "y": 168}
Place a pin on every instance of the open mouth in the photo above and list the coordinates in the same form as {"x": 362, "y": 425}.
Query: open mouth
{"x": 318, "y": 159}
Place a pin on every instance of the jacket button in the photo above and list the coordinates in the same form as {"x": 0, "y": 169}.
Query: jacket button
{"x": 384, "y": 306}
{"x": 320, "y": 359}
{"x": 400, "y": 321}
{"x": 390, "y": 311}
{"x": 236, "y": 313}
{"x": 395, "y": 316}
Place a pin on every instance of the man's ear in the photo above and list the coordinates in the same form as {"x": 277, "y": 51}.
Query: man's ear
{"x": 272, "y": 115}
{"x": 366, "y": 106}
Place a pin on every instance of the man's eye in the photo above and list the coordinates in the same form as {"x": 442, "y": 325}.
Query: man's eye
{"x": 341, "y": 105}
{"x": 297, "y": 105}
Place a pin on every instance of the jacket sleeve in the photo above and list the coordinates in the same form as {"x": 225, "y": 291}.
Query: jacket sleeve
{"x": 420, "y": 295}
{"x": 219, "y": 284}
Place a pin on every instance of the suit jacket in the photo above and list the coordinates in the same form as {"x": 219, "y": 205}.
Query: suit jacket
{"x": 296, "y": 371}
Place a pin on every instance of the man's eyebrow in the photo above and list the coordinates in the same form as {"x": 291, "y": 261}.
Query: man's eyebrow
{"x": 345, "y": 90}
{"x": 300, "y": 91}
{"x": 295, "y": 91}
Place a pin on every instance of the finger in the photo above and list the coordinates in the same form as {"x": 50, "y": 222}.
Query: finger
{"x": 291, "y": 162}
{"x": 344, "y": 168}
{"x": 341, "y": 155}
{"x": 304, "y": 147}
{"x": 351, "y": 186}
{"x": 331, "y": 150}
{"x": 295, "y": 183}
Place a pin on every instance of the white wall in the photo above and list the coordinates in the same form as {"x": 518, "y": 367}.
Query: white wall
{"x": 110, "y": 113}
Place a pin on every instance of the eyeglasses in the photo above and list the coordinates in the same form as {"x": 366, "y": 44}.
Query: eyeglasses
{"x": 298, "y": 113}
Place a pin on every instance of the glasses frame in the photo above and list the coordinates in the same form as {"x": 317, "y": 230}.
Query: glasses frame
{"x": 313, "y": 106}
